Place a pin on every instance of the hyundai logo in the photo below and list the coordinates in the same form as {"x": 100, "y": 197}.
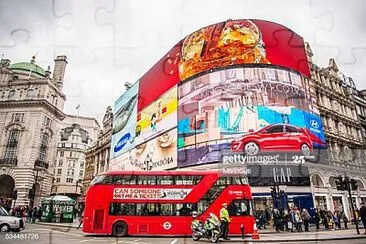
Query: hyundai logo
{"x": 314, "y": 124}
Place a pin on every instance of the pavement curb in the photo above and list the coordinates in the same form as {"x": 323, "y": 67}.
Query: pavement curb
{"x": 50, "y": 224}
{"x": 306, "y": 240}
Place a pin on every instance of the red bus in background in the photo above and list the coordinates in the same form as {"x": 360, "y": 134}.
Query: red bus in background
{"x": 124, "y": 203}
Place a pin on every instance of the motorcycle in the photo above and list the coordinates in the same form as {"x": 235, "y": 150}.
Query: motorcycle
{"x": 211, "y": 229}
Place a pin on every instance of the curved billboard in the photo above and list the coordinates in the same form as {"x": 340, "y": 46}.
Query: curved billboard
{"x": 248, "y": 115}
{"x": 233, "y": 42}
{"x": 231, "y": 93}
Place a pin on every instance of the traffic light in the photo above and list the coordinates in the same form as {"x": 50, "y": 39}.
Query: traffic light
{"x": 340, "y": 183}
{"x": 15, "y": 194}
{"x": 354, "y": 185}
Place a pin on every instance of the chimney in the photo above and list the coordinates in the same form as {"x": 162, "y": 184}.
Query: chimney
{"x": 59, "y": 71}
{"x": 128, "y": 85}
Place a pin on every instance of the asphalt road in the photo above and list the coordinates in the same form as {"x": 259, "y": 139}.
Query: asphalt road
{"x": 43, "y": 234}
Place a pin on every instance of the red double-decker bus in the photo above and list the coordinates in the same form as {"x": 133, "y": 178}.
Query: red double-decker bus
{"x": 124, "y": 203}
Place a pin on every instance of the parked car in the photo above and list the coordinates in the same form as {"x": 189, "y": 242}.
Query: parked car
{"x": 276, "y": 138}
{"x": 10, "y": 223}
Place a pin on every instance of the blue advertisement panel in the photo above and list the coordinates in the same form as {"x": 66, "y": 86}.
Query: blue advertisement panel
{"x": 124, "y": 122}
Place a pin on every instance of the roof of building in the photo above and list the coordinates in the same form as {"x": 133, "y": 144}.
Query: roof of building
{"x": 29, "y": 67}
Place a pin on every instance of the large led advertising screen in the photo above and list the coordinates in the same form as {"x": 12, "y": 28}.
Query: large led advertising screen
{"x": 158, "y": 117}
{"x": 229, "y": 43}
{"x": 251, "y": 111}
{"x": 124, "y": 122}
{"x": 159, "y": 153}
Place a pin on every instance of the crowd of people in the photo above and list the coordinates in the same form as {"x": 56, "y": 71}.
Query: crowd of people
{"x": 295, "y": 219}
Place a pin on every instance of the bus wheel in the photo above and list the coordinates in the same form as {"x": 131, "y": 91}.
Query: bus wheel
{"x": 119, "y": 229}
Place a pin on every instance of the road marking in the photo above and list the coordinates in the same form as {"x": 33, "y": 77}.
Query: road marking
{"x": 57, "y": 231}
{"x": 174, "y": 241}
{"x": 130, "y": 242}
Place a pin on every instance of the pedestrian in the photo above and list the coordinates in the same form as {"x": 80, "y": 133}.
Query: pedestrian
{"x": 34, "y": 215}
{"x": 225, "y": 220}
{"x": 81, "y": 220}
{"x": 345, "y": 219}
{"x": 29, "y": 214}
{"x": 305, "y": 216}
{"x": 363, "y": 215}
{"x": 297, "y": 219}
{"x": 277, "y": 219}
{"x": 317, "y": 219}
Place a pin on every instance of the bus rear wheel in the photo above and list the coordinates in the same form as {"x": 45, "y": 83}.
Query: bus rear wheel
{"x": 119, "y": 229}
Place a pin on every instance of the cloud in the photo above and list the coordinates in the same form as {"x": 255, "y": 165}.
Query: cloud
{"x": 109, "y": 43}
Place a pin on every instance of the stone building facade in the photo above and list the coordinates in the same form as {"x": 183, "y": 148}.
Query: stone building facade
{"x": 77, "y": 134}
{"x": 31, "y": 107}
{"x": 97, "y": 157}
{"x": 345, "y": 139}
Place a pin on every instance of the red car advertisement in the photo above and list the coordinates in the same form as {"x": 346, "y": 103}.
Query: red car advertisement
{"x": 261, "y": 114}
{"x": 230, "y": 43}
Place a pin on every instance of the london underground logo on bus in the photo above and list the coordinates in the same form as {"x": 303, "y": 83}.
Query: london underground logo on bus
{"x": 150, "y": 193}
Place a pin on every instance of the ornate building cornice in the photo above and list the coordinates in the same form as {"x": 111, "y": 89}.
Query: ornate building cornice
{"x": 34, "y": 103}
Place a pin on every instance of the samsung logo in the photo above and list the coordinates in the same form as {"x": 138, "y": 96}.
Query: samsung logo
{"x": 122, "y": 142}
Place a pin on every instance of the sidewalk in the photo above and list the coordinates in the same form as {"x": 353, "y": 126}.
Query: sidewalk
{"x": 312, "y": 228}
{"x": 74, "y": 224}
{"x": 306, "y": 236}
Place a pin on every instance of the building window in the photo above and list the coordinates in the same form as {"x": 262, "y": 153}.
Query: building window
{"x": 81, "y": 164}
{"x": 11, "y": 94}
{"x": 47, "y": 121}
{"x": 68, "y": 171}
{"x": 69, "y": 180}
{"x": 44, "y": 148}
{"x": 17, "y": 117}
{"x": 60, "y": 162}
{"x": 31, "y": 93}
{"x": 58, "y": 180}
{"x": 59, "y": 171}
{"x": 81, "y": 173}
{"x": 72, "y": 172}
{"x": 70, "y": 154}
{"x": 61, "y": 153}
{"x": 12, "y": 144}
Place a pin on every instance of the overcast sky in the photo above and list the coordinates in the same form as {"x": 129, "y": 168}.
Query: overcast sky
{"x": 110, "y": 42}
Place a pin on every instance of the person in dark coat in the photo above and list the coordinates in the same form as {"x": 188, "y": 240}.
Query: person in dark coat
{"x": 317, "y": 219}
{"x": 363, "y": 215}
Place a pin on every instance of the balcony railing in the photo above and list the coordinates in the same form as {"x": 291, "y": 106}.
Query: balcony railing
{"x": 40, "y": 164}
{"x": 8, "y": 161}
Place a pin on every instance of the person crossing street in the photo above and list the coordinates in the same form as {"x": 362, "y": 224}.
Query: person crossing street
{"x": 225, "y": 220}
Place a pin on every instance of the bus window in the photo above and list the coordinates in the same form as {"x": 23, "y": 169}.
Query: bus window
{"x": 223, "y": 181}
{"x": 164, "y": 180}
{"x": 238, "y": 180}
{"x": 166, "y": 210}
{"x": 184, "y": 209}
{"x": 240, "y": 208}
{"x": 146, "y": 180}
{"x": 187, "y": 179}
{"x": 97, "y": 180}
{"x": 124, "y": 180}
{"x": 142, "y": 209}
{"x": 122, "y": 209}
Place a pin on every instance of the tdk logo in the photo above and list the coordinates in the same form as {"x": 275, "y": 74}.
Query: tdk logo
{"x": 314, "y": 124}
